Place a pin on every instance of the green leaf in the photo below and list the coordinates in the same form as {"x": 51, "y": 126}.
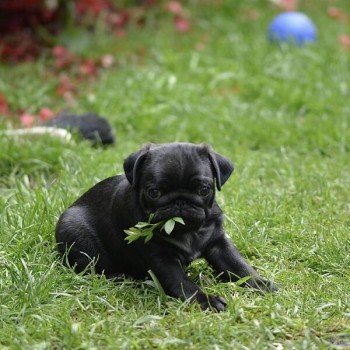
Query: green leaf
{"x": 146, "y": 229}
{"x": 130, "y": 239}
{"x": 133, "y": 231}
{"x": 142, "y": 224}
{"x": 169, "y": 226}
{"x": 150, "y": 218}
{"x": 129, "y": 232}
{"x": 133, "y": 234}
{"x": 148, "y": 237}
{"x": 179, "y": 220}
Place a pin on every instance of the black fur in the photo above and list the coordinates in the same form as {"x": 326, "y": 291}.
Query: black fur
{"x": 90, "y": 126}
{"x": 165, "y": 180}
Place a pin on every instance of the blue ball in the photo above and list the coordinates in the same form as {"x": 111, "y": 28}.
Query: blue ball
{"x": 292, "y": 27}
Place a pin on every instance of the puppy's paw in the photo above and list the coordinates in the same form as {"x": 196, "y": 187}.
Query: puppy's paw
{"x": 212, "y": 302}
{"x": 262, "y": 285}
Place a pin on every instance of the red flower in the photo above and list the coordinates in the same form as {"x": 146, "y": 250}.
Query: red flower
{"x": 27, "y": 120}
{"x": 45, "y": 114}
{"x": 118, "y": 20}
{"x": 88, "y": 67}
{"x": 182, "y": 24}
{"x": 107, "y": 61}
{"x": 337, "y": 14}
{"x": 63, "y": 57}
{"x": 290, "y": 5}
{"x": 174, "y": 7}
{"x": 65, "y": 85}
{"x": 344, "y": 41}
{"x": 286, "y": 5}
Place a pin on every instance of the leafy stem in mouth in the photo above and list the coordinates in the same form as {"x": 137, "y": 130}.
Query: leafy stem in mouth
{"x": 146, "y": 229}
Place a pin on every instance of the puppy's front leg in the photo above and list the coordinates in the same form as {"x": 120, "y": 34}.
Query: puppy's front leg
{"x": 225, "y": 258}
{"x": 175, "y": 283}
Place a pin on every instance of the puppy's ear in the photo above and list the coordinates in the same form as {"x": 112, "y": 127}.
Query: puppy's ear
{"x": 222, "y": 167}
{"x": 133, "y": 165}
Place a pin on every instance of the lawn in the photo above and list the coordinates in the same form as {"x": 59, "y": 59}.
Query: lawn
{"x": 281, "y": 114}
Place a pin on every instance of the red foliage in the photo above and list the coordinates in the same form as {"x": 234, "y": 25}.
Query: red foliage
{"x": 107, "y": 61}
{"x": 73, "y": 70}
{"x": 19, "y": 41}
{"x": 63, "y": 58}
{"x": 45, "y": 114}
{"x": 344, "y": 41}
{"x": 174, "y": 7}
{"x": 27, "y": 120}
{"x": 290, "y": 5}
{"x": 88, "y": 68}
{"x": 181, "y": 22}
{"x": 18, "y": 22}
{"x": 92, "y": 7}
{"x": 4, "y": 108}
{"x": 20, "y": 5}
{"x": 66, "y": 85}
{"x": 286, "y": 5}
{"x": 337, "y": 14}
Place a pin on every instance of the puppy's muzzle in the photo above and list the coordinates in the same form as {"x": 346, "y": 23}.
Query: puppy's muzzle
{"x": 190, "y": 210}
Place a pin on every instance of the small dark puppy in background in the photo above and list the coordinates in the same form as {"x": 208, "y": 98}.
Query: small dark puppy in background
{"x": 89, "y": 126}
{"x": 167, "y": 180}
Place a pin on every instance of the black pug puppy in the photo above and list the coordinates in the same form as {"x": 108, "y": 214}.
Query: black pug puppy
{"x": 167, "y": 180}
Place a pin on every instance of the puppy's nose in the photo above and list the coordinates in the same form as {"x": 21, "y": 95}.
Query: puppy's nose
{"x": 180, "y": 203}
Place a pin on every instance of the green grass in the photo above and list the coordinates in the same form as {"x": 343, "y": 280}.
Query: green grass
{"x": 281, "y": 115}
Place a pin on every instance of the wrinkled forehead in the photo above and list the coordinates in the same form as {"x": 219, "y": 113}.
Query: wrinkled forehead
{"x": 177, "y": 165}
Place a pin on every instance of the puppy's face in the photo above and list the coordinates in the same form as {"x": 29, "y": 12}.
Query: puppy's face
{"x": 177, "y": 180}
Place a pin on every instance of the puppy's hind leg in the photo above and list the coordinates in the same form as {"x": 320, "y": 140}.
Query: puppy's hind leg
{"x": 225, "y": 258}
{"x": 77, "y": 239}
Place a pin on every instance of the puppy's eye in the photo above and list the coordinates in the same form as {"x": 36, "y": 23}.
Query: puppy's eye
{"x": 153, "y": 193}
{"x": 204, "y": 191}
